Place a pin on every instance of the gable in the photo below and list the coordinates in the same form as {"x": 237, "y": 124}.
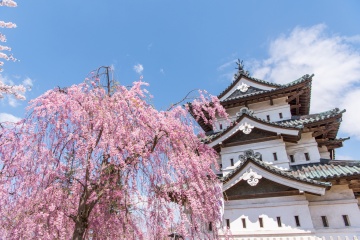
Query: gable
{"x": 252, "y": 174}
{"x": 264, "y": 188}
{"x": 246, "y": 124}
{"x": 256, "y": 134}
{"x": 245, "y": 86}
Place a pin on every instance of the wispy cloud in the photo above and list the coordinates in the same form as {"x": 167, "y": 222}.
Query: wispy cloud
{"x": 226, "y": 65}
{"x": 162, "y": 71}
{"x": 138, "y": 68}
{"x": 28, "y": 83}
{"x": 335, "y": 61}
{"x": 6, "y": 117}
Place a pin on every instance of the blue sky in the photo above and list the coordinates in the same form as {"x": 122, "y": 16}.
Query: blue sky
{"x": 184, "y": 45}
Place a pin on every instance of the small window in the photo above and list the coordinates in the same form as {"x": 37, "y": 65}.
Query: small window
{"x": 220, "y": 165}
{"x": 243, "y": 222}
{"x": 210, "y": 226}
{"x": 278, "y": 219}
{"x": 228, "y": 223}
{"x": 268, "y": 117}
{"x": 280, "y": 115}
{"x": 261, "y": 222}
{"x": 297, "y": 221}
{"x": 346, "y": 220}
{"x": 275, "y": 156}
{"x": 220, "y": 126}
{"x": 324, "y": 221}
{"x": 292, "y": 159}
{"x": 232, "y": 162}
{"x": 307, "y": 156}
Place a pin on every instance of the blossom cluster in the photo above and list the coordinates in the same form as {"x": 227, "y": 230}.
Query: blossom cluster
{"x": 90, "y": 164}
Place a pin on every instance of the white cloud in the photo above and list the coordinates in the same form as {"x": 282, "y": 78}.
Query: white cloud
{"x": 138, "y": 68}
{"x": 162, "y": 71}
{"x": 6, "y": 117}
{"x": 334, "y": 60}
{"x": 28, "y": 83}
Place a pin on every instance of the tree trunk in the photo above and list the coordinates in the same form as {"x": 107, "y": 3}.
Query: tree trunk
{"x": 80, "y": 229}
{"x": 81, "y": 220}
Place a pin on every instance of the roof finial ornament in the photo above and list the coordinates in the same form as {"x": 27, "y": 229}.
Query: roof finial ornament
{"x": 241, "y": 69}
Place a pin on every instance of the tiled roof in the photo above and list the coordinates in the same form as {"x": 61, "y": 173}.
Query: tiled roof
{"x": 305, "y": 119}
{"x": 237, "y": 94}
{"x": 327, "y": 169}
{"x": 284, "y": 173}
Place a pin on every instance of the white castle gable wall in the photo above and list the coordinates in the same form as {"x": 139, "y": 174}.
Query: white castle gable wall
{"x": 266, "y": 149}
{"x": 248, "y": 83}
{"x": 307, "y": 144}
{"x": 261, "y": 110}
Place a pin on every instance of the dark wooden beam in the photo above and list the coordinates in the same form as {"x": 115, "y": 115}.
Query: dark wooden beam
{"x": 297, "y": 94}
{"x": 298, "y": 103}
{"x": 295, "y": 106}
{"x": 324, "y": 132}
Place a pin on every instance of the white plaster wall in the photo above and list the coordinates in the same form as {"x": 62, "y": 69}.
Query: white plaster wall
{"x": 338, "y": 201}
{"x": 269, "y": 209}
{"x": 324, "y": 152}
{"x": 307, "y": 144}
{"x": 264, "y": 108}
{"x": 261, "y": 110}
{"x": 266, "y": 149}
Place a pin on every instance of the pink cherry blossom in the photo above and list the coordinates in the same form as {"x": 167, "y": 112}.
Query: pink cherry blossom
{"x": 97, "y": 164}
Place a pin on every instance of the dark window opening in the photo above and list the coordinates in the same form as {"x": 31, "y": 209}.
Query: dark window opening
{"x": 210, "y": 226}
{"x": 346, "y": 220}
{"x": 232, "y": 162}
{"x": 243, "y": 222}
{"x": 325, "y": 221}
{"x": 280, "y": 115}
{"x": 220, "y": 126}
{"x": 220, "y": 165}
{"x": 307, "y": 156}
{"x": 275, "y": 156}
{"x": 268, "y": 117}
{"x": 278, "y": 219}
{"x": 228, "y": 223}
{"x": 261, "y": 222}
{"x": 297, "y": 221}
{"x": 292, "y": 159}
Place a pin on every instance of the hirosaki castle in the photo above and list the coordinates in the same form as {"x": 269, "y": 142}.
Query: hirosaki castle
{"x": 279, "y": 175}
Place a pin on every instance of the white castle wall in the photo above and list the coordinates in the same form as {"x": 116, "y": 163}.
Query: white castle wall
{"x": 324, "y": 152}
{"x": 261, "y": 110}
{"x": 269, "y": 209}
{"x": 338, "y": 201}
{"x": 307, "y": 144}
{"x": 266, "y": 149}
